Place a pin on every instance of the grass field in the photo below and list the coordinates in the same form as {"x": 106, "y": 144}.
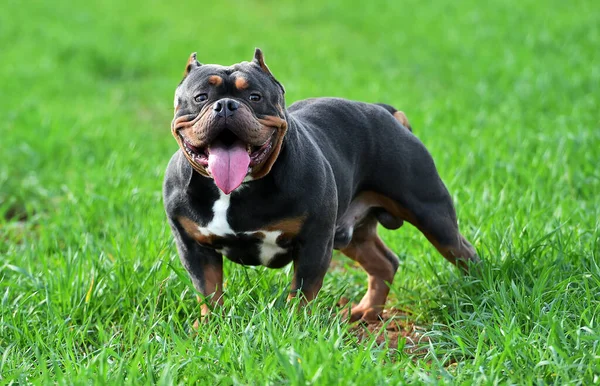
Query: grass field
{"x": 505, "y": 94}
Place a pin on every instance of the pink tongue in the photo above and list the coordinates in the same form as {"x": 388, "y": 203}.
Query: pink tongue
{"x": 228, "y": 165}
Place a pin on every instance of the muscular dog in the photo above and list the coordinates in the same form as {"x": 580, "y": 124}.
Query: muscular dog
{"x": 266, "y": 185}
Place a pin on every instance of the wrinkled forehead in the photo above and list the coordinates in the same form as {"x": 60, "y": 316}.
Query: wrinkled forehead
{"x": 240, "y": 75}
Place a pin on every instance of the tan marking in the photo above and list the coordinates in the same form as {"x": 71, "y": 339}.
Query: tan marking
{"x": 213, "y": 286}
{"x": 184, "y": 124}
{"x": 281, "y": 126}
{"x": 369, "y": 251}
{"x": 460, "y": 254}
{"x": 191, "y": 228}
{"x": 215, "y": 80}
{"x": 401, "y": 117}
{"x": 241, "y": 83}
{"x": 288, "y": 227}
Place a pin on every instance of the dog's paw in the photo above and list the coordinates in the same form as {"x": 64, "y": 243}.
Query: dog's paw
{"x": 366, "y": 314}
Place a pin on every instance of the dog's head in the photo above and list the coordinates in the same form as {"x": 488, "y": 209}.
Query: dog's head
{"x": 230, "y": 121}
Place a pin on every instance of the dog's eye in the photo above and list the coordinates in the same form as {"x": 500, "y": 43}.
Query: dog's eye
{"x": 201, "y": 98}
{"x": 254, "y": 97}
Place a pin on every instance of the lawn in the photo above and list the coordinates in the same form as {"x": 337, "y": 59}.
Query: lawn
{"x": 505, "y": 95}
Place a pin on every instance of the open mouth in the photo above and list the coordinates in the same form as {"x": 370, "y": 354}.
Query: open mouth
{"x": 228, "y": 139}
{"x": 228, "y": 159}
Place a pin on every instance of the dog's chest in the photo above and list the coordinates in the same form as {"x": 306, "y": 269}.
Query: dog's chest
{"x": 264, "y": 245}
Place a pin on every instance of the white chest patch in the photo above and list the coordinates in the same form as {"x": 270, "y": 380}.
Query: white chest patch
{"x": 269, "y": 247}
{"x": 219, "y": 226}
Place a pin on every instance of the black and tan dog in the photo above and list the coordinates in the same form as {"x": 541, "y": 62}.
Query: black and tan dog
{"x": 266, "y": 185}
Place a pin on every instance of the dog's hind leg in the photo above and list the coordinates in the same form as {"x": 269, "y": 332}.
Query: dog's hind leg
{"x": 438, "y": 224}
{"x": 410, "y": 188}
{"x": 378, "y": 261}
{"x": 425, "y": 202}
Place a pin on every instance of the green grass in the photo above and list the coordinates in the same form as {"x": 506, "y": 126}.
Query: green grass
{"x": 505, "y": 94}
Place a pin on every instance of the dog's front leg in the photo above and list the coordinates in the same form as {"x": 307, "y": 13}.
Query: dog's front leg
{"x": 310, "y": 266}
{"x": 204, "y": 266}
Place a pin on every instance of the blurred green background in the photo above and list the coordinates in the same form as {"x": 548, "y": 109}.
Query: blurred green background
{"x": 505, "y": 95}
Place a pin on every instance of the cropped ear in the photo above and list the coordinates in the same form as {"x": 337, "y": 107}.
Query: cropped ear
{"x": 259, "y": 59}
{"x": 191, "y": 64}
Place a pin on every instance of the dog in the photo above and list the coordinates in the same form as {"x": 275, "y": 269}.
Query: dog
{"x": 265, "y": 185}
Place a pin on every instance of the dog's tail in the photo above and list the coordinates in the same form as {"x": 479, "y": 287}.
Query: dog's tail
{"x": 399, "y": 115}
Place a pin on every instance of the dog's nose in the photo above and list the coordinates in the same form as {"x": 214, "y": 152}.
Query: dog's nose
{"x": 225, "y": 107}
